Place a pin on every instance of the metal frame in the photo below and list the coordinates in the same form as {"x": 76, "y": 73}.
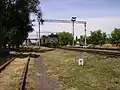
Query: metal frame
{"x": 73, "y": 20}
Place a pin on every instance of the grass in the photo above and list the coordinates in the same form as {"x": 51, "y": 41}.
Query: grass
{"x": 10, "y": 77}
{"x": 32, "y": 78}
{"x": 98, "y": 73}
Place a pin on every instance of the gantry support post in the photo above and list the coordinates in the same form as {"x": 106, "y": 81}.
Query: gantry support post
{"x": 73, "y": 21}
{"x": 85, "y": 36}
{"x": 73, "y": 32}
{"x": 39, "y": 34}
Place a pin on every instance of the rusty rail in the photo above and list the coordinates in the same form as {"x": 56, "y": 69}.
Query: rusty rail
{"x": 111, "y": 53}
{"x": 24, "y": 75}
{"x": 6, "y": 64}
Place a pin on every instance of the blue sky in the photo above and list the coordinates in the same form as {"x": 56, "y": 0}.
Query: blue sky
{"x": 80, "y": 8}
{"x": 99, "y": 14}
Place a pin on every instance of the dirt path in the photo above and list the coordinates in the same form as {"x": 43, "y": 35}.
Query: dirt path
{"x": 45, "y": 82}
{"x": 10, "y": 77}
{"x": 32, "y": 77}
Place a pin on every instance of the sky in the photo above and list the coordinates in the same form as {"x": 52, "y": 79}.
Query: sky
{"x": 99, "y": 14}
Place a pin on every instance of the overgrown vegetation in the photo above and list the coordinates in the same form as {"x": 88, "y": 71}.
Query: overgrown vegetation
{"x": 10, "y": 77}
{"x": 59, "y": 39}
{"x": 15, "y": 20}
{"x": 115, "y": 36}
{"x": 97, "y": 37}
{"x": 98, "y": 73}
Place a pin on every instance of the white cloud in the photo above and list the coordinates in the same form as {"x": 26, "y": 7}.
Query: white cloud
{"x": 106, "y": 24}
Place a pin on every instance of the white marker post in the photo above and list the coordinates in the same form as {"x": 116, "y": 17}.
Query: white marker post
{"x": 80, "y": 62}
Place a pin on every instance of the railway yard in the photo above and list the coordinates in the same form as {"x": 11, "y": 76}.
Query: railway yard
{"x": 16, "y": 71}
{"x": 44, "y": 46}
{"x": 57, "y": 69}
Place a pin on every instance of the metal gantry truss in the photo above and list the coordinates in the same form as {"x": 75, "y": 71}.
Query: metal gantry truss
{"x": 65, "y": 21}
{"x": 61, "y": 21}
{"x": 41, "y": 22}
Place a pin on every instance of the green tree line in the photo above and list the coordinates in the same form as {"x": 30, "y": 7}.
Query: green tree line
{"x": 97, "y": 37}
{"x": 58, "y": 39}
{"x": 15, "y": 22}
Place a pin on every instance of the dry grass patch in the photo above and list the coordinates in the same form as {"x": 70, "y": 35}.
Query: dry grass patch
{"x": 10, "y": 77}
{"x": 98, "y": 73}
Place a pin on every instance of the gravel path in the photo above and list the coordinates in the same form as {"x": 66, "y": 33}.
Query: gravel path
{"x": 45, "y": 82}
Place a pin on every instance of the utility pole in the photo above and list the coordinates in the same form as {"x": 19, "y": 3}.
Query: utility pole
{"x": 39, "y": 34}
{"x": 73, "y": 32}
{"x": 85, "y": 36}
{"x": 39, "y": 20}
{"x": 37, "y": 38}
{"x": 73, "y": 22}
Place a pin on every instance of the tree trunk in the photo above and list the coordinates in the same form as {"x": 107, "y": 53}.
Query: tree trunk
{"x": 9, "y": 46}
{"x": 1, "y": 17}
{"x": 4, "y": 46}
{"x": 13, "y": 46}
{"x": 17, "y": 46}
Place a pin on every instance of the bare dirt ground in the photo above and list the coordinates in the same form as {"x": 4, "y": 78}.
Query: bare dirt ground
{"x": 10, "y": 77}
{"x": 45, "y": 83}
{"x": 32, "y": 77}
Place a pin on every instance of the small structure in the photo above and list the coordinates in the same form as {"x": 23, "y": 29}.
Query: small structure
{"x": 80, "y": 61}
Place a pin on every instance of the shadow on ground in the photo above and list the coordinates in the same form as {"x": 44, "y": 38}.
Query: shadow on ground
{"x": 22, "y": 53}
{"x": 36, "y": 50}
{"x": 5, "y": 59}
{"x": 25, "y": 55}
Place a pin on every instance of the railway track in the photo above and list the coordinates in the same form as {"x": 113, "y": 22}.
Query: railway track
{"x": 7, "y": 63}
{"x": 114, "y": 49}
{"x": 112, "y": 53}
{"x": 22, "y": 77}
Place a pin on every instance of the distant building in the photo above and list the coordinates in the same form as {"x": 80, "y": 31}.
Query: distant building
{"x": 27, "y": 42}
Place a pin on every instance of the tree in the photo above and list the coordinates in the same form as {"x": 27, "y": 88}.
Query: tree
{"x": 16, "y": 21}
{"x": 115, "y": 36}
{"x": 98, "y": 37}
{"x": 54, "y": 40}
{"x": 1, "y": 19}
{"x": 108, "y": 39}
{"x": 81, "y": 40}
{"x": 89, "y": 41}
{"x": 65, "y": 38}
{"x": 76, "y": 39}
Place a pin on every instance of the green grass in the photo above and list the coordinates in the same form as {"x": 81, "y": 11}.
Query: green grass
{"x": 98, "y": 73}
